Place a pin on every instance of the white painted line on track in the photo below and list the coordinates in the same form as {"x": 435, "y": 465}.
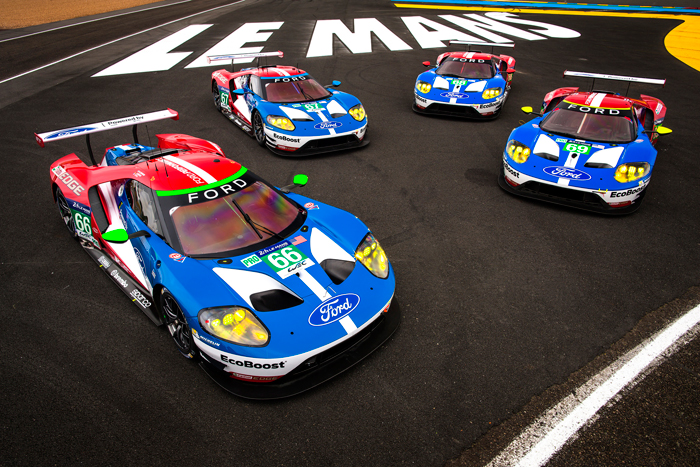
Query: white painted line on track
{"x": 546, "y": 435}
{"x": 117, "y": 40}
{"x": 93, "y": 20}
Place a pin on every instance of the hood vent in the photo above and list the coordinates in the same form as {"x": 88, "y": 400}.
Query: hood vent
{"x": 337, "y": 269}
{"x": 273, "y": 300}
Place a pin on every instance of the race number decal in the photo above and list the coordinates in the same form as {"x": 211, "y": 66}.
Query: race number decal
{"x": 285, "y": 259}
{"x": 577, "y": 148}
{"x": 224, "y": 99}
{"x": 313, "y": 107}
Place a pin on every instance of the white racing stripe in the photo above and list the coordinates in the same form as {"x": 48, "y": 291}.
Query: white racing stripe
{"x": 324, "y": 119}
{"x": 348, "y": 324}
{"x": 203, "y": 174}
{"x": 598, "y": 99}
{"x": 323, "y": 294}
{"x": 549, "y": 433}
{"x": 314, "y": 285}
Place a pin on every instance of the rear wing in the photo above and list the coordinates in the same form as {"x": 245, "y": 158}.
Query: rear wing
{"x": 234, "y": 57}
{"x": 86, "y": 130}
{"x": 628, "y": 79}
{"x": 491, "y": 44}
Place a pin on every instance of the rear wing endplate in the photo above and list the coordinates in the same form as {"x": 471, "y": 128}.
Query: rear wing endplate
{"x": 628, "y": 79}
{"x": 86, "y": 130}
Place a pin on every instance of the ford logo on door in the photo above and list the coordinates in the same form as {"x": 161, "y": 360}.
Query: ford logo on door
{"x": 334, "y": 309}
{"x": 327, "y": 125}
{"x": 565, "y": 172}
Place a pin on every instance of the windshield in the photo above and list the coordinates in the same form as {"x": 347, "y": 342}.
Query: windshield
{"x": 591, "y": 127}
{"x": 293, "y": 89}
{"x": 466, "y": 68}
{"x": 217, "y": 226}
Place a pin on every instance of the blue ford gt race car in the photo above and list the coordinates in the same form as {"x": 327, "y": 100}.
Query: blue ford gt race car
{"x": 271, "y": 292}
{"x": 286, "y": 110}
{"x": 465, "y": 84}
{"x": 590, "y": 150}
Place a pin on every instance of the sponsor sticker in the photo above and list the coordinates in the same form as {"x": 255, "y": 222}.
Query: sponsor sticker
{"x": 250, "y": 261}
{"x": 140, "y": 299}
{"x": 333, "y": 309}
{"x": 177, "y": 257}
{"x": 310, "y": 206}
{"x": 68, "y": 180}
{"x": 249, "y": 364}
{"x": 104, "y": 261}
{"x": 631, "y": 191}
{"x": 286, "y": 138}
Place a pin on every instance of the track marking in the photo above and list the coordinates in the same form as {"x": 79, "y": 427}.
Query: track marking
{"x": 683, "y": 42}
{"x": 117, "y": 40}
{"x": 546, "y": 435}
{"x": 92, "y": 21}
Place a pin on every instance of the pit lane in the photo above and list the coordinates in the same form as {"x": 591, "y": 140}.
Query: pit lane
{"x": 502, "y": 297}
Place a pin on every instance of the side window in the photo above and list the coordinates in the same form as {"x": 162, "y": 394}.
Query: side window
{"x": 143, "y": 204}
{"x": 255, "y": 85}
{"x": 244, "y": 81}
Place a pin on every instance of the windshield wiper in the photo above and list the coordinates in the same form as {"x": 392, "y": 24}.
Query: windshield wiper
{"x": 247, "y": 218}
{"x": 268, "y": 230}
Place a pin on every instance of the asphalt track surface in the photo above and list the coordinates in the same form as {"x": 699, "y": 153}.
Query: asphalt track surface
{"x": 503, "y": 298}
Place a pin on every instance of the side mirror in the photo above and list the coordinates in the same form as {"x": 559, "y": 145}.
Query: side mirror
{"x": 660, "y": 130}
{"x": 528, "y": 110}
{"x": 426, "y": 63}
{"x": 140, "y": 233}
{"x": 240, "y": 92}
{"x": 116, "y": 236}
{"x": 299, "y": 180}
{"x": 334, "y": 84}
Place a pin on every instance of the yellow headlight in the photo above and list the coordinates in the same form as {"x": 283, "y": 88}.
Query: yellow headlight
{"x": 517, "y": 151}
{"x": 423, "y": 87}
{"x": 358, "y": 112}
{"x": 233, "y": 324}
{"x": 372, "y": 256}
{"x": 631, "y": 171}
{"x": 280, "y": 122}
{"x": 491, "y": 93}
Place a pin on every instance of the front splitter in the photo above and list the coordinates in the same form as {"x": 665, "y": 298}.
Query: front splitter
{"x": 293, "y": 384}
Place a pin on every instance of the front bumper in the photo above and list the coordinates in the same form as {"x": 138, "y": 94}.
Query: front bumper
{"x": 296, "y": 146}
{"x": 481, "y": 111}
{"x": 317, "y": 369}
{"x": 589, "y": 200}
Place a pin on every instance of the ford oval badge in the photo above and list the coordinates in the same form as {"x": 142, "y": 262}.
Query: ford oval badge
{"x": 565, "y": 172}
{"x": 334, "y": 309}
{"x": 327, "y": 125}
{"x": 454, "y": 95}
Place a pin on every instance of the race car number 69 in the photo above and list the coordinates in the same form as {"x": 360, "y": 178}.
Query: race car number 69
{"x": 285, "y": 257}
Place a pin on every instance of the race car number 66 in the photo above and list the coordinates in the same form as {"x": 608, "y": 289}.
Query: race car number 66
{"x": 285, "y": 257}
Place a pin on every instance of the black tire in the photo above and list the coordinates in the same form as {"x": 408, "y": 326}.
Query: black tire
{"x": 217, "y": 96}
{"x": 65, "y": 212}
{"x": 259, "y": 129}
{"x": 177, "y": 325}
